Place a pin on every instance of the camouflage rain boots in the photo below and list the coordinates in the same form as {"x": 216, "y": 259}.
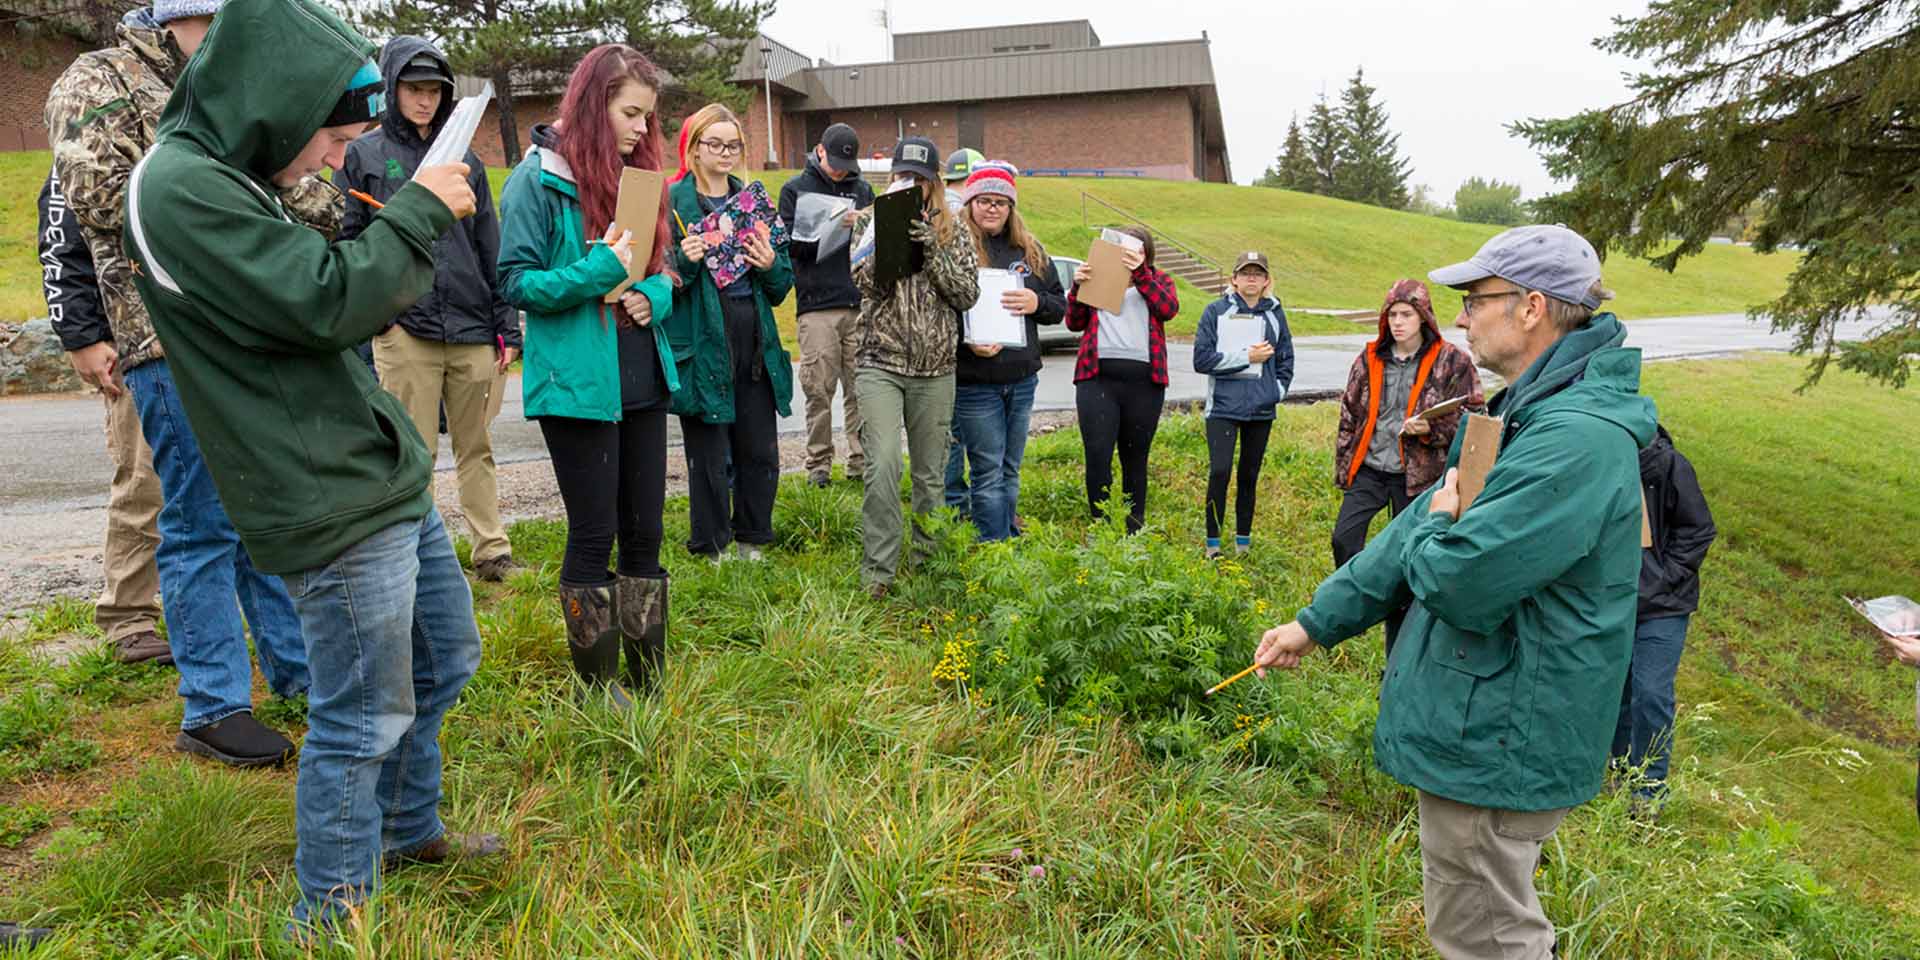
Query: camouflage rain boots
{"x": 592, "y": 639}
{"x": 642, "y": 611}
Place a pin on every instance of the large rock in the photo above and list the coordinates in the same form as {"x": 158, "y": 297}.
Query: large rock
{"x": 33, "y": 361}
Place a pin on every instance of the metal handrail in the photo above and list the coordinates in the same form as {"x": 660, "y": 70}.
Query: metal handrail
{"x": 1192, "y": 254}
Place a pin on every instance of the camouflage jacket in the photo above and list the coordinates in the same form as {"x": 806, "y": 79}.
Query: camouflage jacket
{"x": 102, "y": 115}
{"x": 913, "y": 328}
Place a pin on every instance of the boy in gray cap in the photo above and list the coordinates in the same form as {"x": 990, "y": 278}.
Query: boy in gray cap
{"x": 1501, "y": 695}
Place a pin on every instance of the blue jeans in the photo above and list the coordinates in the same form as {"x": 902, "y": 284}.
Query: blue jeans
{"x": 990, "y": 423}
{"x": 1644, "y": 733}
{"x": 391, "y": 636}
{"x": 203, "y": 568}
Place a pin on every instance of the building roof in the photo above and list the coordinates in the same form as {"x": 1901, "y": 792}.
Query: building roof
{"x": 1041, "y": 73}
{"x": 985, "y": 41}
{"x": 787, "y": 64}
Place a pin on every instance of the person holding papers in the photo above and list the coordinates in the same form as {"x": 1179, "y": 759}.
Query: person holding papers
{"x": 454, "y": 345}
{"x": 908, "y": 325}
{"x": 1120, "y": 377}
{"x": 999, "y": 355}
{"x": 737, "y": 379}
{"x": 1386, "y": 454}
{"x": 598, "y": 375}
{"x": 1244, "y": 348}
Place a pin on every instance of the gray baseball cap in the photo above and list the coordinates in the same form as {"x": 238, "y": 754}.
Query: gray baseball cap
{"x": 1549, "y": 258}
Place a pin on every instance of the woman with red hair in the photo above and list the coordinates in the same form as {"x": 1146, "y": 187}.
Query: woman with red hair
{"x": 597, "y": 377}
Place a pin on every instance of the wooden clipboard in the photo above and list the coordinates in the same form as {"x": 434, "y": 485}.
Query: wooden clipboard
{"x": 1479, "y": 446}
{"x": 1107, "y": 288}
{"x": 637, "y": 210}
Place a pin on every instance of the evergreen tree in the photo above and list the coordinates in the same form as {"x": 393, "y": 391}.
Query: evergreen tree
{"x": 1489, "y": 201}
{"x": 1323, "y": 153}
{"x": 697, "y": 42}
{"x": 1291, "y": 170}
{"x": 1372, "y": 170}
{"x": 1811, "y": 108}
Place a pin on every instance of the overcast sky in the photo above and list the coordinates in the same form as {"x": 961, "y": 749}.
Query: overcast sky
{"x": 1452, "y": 73}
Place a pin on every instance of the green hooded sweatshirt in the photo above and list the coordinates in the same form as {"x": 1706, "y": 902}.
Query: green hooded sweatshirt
{"x": 1504, "y": 684}
{"x": 258, "y": 314}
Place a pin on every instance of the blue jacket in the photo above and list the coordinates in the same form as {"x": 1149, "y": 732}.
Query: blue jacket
{"x": 1231, "y": 395}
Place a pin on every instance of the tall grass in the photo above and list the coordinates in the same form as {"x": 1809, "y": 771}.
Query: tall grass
{"x": 805, "y": 786}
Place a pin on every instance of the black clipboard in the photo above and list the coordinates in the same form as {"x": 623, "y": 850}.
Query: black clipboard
{"x": 895, "y": 255}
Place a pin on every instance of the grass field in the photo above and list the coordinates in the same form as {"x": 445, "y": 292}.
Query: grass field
{"x": 808, "y": 786}
{"x": 1326, "y": 253}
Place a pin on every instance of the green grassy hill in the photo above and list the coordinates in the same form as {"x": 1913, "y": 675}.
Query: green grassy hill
{"x": 1326, "y": 253}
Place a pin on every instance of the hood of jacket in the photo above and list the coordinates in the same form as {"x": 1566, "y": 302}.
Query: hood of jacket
{"x": 150, "y": 40}
{"x": 1599, "y": 376}
{"x": 1656, "y": 452}
{"x": 1414, "y": 294}
{"x": 394, "y": 58}
{"x": 223, "y": 104}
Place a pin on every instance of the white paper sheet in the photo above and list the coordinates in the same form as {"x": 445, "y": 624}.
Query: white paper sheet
{"x": 817, "y": 220}
{"x": 1126, "y": 241}
{"x": 1236, "y": 332}
{"x": 454, "y": 139}
{"x": 989, "y": 322}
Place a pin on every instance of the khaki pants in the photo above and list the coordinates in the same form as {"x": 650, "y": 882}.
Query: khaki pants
{"x": 827, "y": 344}
{"x": 422, "y": 374}
{"x": 1477, "y": 870}
{"x": 130, "y": 603}
{"x": 923, "y": 406}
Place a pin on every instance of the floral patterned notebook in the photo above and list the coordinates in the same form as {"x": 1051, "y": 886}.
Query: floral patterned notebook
{"x": 725, "y": 232}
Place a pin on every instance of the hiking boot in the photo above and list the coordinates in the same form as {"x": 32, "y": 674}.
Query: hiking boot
{"x": 16, "y": 937}
{"x": 641, "y": 605}
{"x": 856, "y": 473}
{"x": 447, "y": 848}
{"x": 143, "y": 647}
{"x": 1213, "y": 551}
{"x": 237, "y": 741}
{"x": 495, "y": 569}
{"x": 749, "y": 551}
{"x": 878, "y": 591}
{"x": 592, "y": 639}
{"x": 820, "y": 478}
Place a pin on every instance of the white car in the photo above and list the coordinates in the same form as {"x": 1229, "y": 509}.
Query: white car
{"x": 1056, "y": 336}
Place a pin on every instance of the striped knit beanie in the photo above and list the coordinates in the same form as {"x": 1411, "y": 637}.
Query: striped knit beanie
{"x": 993, "y": 178}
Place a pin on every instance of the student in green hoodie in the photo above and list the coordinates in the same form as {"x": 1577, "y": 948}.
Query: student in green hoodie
{"x": 599, "y": 377}
{"x": 1502, "y": 690}
{"x": 321, "y": 471}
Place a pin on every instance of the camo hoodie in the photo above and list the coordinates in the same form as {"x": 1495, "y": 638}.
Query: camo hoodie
{"x": 102, "y": 115}
{"x": 259, "y": 314}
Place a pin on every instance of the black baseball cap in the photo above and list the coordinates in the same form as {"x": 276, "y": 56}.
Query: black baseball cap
{"x": 917, "y": 155}
{"x": 842, "y": 147}
{"x": 425, "y": 66}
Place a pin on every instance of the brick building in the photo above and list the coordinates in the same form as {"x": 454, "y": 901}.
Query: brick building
{"x": 1047, "y": 96}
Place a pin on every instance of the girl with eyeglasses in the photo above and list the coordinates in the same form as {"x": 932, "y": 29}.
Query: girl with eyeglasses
{"x": 737, "y": 378}
{"x": 995, "y": 383}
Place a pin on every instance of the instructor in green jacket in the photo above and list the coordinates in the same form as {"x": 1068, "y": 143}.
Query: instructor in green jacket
{"x": 1501, "y": 694}
{"x": 322, "y": 472}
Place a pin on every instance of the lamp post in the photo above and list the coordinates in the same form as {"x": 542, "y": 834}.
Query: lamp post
{"x": 766, "y": 74}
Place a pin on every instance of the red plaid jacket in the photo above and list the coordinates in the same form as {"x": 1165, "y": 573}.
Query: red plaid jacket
{"x": 1163, "y": 304}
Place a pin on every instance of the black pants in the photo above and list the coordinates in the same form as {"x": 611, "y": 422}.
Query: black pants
{"x": 725, "y": 504}
{"x": 1372, "y": 491}
{"x": 613, "y": 480}
{"x": 1221, "y": 434}
{"x": 1122, "y": 413}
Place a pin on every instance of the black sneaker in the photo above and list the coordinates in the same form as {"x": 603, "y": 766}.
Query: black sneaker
{"x": 237, "y": 741}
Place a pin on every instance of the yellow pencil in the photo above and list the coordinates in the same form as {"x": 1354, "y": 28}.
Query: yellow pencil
{"x": 682, "y": 223}
{"x": 1216, "y": 688}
